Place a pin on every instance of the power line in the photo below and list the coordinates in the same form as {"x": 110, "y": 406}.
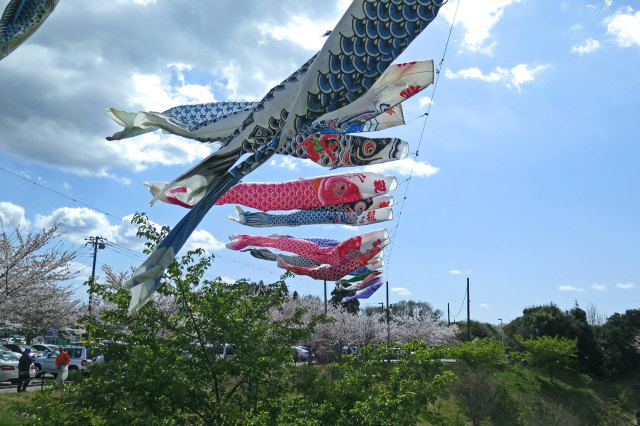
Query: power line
{"x": 59, "y": 193}
{"x": 389, "y": 251}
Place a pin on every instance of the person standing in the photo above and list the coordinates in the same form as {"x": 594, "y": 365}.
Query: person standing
{"x": 24, "y": 367}
{"x": 62, "y": 365}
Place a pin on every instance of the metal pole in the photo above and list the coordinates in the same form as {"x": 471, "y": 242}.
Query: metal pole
{"x": 93, "y": 269}
{"x": 468, "y": 313}
{"x": 501, "y": 331}
{"x": 448, "y": 315}
{"x": 325, "y": 297}
{"x": 388, "y": 332}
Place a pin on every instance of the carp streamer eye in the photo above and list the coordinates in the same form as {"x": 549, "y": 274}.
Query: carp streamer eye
{"x": 369, "y": 148}
{"x": 340, "y": 189}
{"x": 360, "y": 206}
{"x": 354, "y": 253}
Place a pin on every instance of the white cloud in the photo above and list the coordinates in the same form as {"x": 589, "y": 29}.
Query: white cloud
{"x": 204, "y": 240}
{"x": 516, "y": 76}
{"x": 302, "y": 30}
{"x": 401, "y": 291}
{"x": 289, "y": 163}
{"x": 305, "y": 31}
{"x": 484, "y": 305}
{"x": 478, "y": 19}
{"x": 455, "y": 272}
{"x": 424, "y": 101}
{"x": 625, "y": 27}
{"x": 587, "y": 46}
{"x": 570, "y": 288}
{"x": 12, "y": 215}
{"x": 156, "y": 93}
{"x": 154, "y": 148}
{"x": 627, "y": 286}
{"x": 599, "y": 287}
{"x": 404, "y": 167}
{"x": 81, "y": 222}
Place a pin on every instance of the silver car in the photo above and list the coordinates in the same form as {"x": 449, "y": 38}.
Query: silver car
{"x": 9, "y": 367}
{"x": 80, "y": 360}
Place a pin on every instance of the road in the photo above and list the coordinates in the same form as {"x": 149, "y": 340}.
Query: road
{"x": 34, "y": 385}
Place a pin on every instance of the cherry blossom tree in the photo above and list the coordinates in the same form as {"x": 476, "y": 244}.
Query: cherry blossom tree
{"x": 33, "y": 269}
{"x": 346, "y": 329}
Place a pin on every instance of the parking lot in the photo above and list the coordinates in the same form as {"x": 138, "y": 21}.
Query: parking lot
{"x": 34, "y": 385}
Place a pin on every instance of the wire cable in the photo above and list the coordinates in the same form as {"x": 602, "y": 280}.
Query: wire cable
{"x": 389, "y": 251}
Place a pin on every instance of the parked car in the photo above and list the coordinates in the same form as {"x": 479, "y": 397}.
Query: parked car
{"x": 302, "y": 353}
{"x": 80, "y": 360}
{"x": 19, "y": 348}
{"x": 226, "y": 351}
{"x": 45, "y": 349}
{"x": 9, "y": 367}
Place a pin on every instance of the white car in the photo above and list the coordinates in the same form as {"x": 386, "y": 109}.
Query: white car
{"x": 9, "y": 367}
{"x": 79, "y": 361}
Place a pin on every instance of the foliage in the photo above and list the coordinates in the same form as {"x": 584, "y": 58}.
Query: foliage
{"x": 550, "y": 354}
{"x": 475, "y": 387}
{"x": 479, "y": 330}
{"x": 480, "y": 354}
{"x": 549, "y": 320}
{"x": 476, "y": 391}
{"x": 338, "y": 293}
{"x": 32, "y": 269}
{"x": 405, "y": 309}
{"x": 367, "y": 390}
{"x": 618, "y": 336}
{"x": 411, "y": 308}
{"x": 165, "y": 367}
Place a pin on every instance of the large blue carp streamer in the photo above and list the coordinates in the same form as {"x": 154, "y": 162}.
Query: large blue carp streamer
{"x": 209, "y": 122}
{"x": 364, "y": 294}
{"x": 20, "y": 19}
{"x": 312, "y": 217}
{"x": 214, "y": 122}
{"x": 364, "y": 43}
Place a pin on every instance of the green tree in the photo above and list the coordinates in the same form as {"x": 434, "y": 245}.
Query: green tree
{"x": 550, "y": 354}
{"x": 479, "y": 330}
{"x": 475, "y": 387}
{"x": 618, "y": 336}
{"x": 412, "y": 308}
{"x": 550, "y": 320}
{"x": 366, "y": 390}
{"x": 352, "y": 306}
{"x": 166, "y": 368}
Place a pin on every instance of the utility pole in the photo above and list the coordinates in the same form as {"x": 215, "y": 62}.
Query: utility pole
{"x": 325, "y": 297}
{"x": 448, "y": 315}
{"x": 388, "y": 332}
{"x": 98, "y": 243}
{"x": 468, "y": 313}
{"x": 501, "y": 331}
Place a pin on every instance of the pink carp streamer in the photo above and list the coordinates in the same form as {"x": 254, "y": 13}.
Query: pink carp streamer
{"x": 332, "y": 272}
{"x": 296, "y": 194}
{"x": 355, "y": 248}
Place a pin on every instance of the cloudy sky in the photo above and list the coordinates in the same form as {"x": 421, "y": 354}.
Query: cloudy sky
{"x": 524, "y": 178}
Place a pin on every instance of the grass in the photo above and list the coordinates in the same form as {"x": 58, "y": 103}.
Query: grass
{"x": 527, "y": 397}
{"x": 12, "y": 407}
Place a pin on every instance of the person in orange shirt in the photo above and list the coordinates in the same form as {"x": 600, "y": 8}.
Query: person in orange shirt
{"x": 62, "y": 365}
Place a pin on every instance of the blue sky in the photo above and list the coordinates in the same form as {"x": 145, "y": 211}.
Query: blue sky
{"x": 526, "y": 179}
